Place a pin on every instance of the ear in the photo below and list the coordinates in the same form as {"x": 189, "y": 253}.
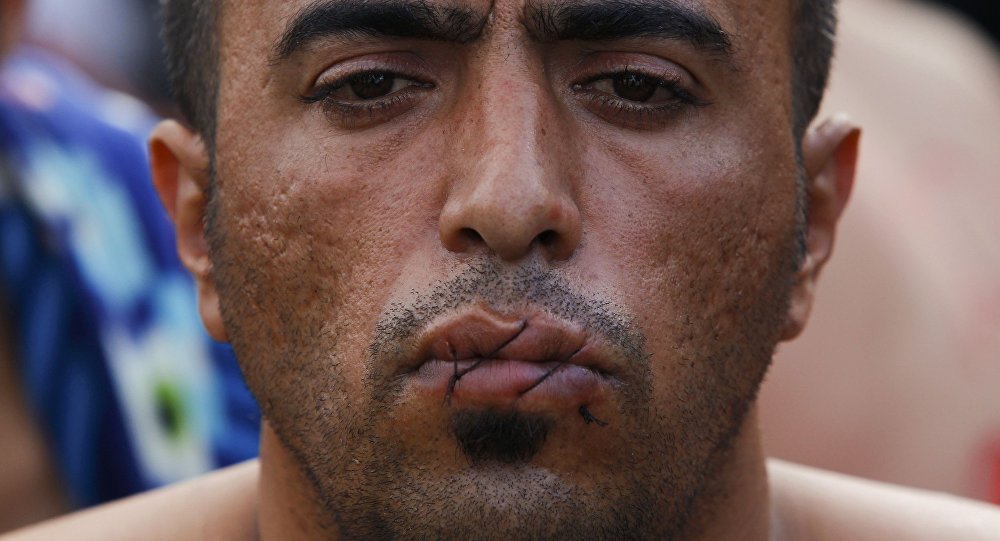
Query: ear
{"x": 180, "y": 163}
{"x": 830, "y": 155}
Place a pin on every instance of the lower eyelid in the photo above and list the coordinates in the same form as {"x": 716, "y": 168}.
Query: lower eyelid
{"x": 633, "y": 115}
{"x": 363, "y": 114}
{"x": 404, "y": 94}
{"x": 679, "y": 95}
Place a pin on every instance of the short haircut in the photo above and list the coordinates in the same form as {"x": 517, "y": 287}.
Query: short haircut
{"x": 814, "y": 27}
{"x": 191, "y": 41}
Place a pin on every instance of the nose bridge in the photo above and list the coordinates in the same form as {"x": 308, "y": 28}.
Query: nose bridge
{"x": 513, "y": 155}
{"x": 512, "y": 192}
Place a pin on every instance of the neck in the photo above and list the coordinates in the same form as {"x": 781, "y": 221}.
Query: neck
{"x": 289, "y": 508}
{"x": 734, "y": 506}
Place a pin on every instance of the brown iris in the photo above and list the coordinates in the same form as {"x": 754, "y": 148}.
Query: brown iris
{"x": 369, "y": 86}
{"x": 634, "y": 86}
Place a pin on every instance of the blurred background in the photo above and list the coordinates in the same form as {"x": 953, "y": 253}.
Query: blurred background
{"x": 114, "y": 41}
{"x": 108, "y": 384}
{"x": 897, "y": 378}
{"x": 897, "y": 375}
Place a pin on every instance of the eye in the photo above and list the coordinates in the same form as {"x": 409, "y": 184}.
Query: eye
{"x": 636, "y": 99}
{"x": 637, "y": 87}
{"x": 630, "y": 86}
{"x": 369, "y": 85}
{"x": 366, "y": 98}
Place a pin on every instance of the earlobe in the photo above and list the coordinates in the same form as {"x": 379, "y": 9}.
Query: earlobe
{"x": 830, "y": 153}
{"x": 179, "y": 162}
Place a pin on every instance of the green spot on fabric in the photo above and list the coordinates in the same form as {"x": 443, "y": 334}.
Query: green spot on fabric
{"x": 169, "y": 409}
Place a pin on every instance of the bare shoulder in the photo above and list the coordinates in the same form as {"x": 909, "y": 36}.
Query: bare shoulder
{"x": 818, "y": 505}
{"x": 219, "y": 506}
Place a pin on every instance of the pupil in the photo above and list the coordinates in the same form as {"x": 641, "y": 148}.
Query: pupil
{"x": 369, "y": 86}
{"x": 634, "y": 87}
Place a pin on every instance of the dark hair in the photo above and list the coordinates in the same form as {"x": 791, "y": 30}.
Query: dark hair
{"x": 814, "y": 26}
{"x": 192, "y": 50}
{"x": 191, "y": 39}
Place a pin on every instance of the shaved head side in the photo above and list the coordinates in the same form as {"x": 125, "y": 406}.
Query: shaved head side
{"x": 191, "y": 43}
{"x": 814, "y": 30}
{"x": 191, "y": 46}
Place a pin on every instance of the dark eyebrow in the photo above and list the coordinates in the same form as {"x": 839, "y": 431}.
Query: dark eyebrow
{"x": 604, "y": 20}
{"x": 393, "y": 18}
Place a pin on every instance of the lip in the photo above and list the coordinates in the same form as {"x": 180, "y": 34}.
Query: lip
{"x": 529, "y": 361}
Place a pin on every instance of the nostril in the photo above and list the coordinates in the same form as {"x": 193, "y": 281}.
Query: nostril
{"x": 547, "y": 238}
{"x": 470, "y": 236}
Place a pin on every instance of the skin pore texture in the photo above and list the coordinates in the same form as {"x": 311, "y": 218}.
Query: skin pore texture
{"x": 489, "y": 282}
{"x": 394, "y": 224}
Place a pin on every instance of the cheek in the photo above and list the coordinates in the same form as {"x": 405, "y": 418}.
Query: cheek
{"x": 688, "y": 211}
{"x": 711, "y": 239}
{"x": 299, "y": 239}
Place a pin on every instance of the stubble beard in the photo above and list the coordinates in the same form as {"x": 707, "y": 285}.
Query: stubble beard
{"x": 371, "y": 487}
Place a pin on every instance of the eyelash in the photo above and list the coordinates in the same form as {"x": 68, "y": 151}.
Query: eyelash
{"x": 635, "y": 113}
{"x": 354, "y": 114}
{"x": 609, "y": 106}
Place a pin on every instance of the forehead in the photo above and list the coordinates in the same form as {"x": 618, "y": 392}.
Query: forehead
{"x": 254, "y": 28}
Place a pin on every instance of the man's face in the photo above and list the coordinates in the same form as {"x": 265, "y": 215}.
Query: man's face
{"x": 505, "y": 269}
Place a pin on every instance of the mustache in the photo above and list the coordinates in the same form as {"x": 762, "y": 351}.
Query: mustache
{"x": 504, "y": 289}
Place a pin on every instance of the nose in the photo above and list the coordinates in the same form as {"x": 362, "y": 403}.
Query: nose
{"x": 513, "y": 187}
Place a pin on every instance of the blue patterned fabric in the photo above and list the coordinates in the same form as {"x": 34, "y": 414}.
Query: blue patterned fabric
{"x": 131, "y": 392}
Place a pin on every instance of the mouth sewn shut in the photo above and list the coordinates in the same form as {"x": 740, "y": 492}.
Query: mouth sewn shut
{"x": 457, "y": 375}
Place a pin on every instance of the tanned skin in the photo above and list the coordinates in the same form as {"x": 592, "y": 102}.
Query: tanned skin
{"x": 399, "y": 225}
{"x": 509, "y": 174}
